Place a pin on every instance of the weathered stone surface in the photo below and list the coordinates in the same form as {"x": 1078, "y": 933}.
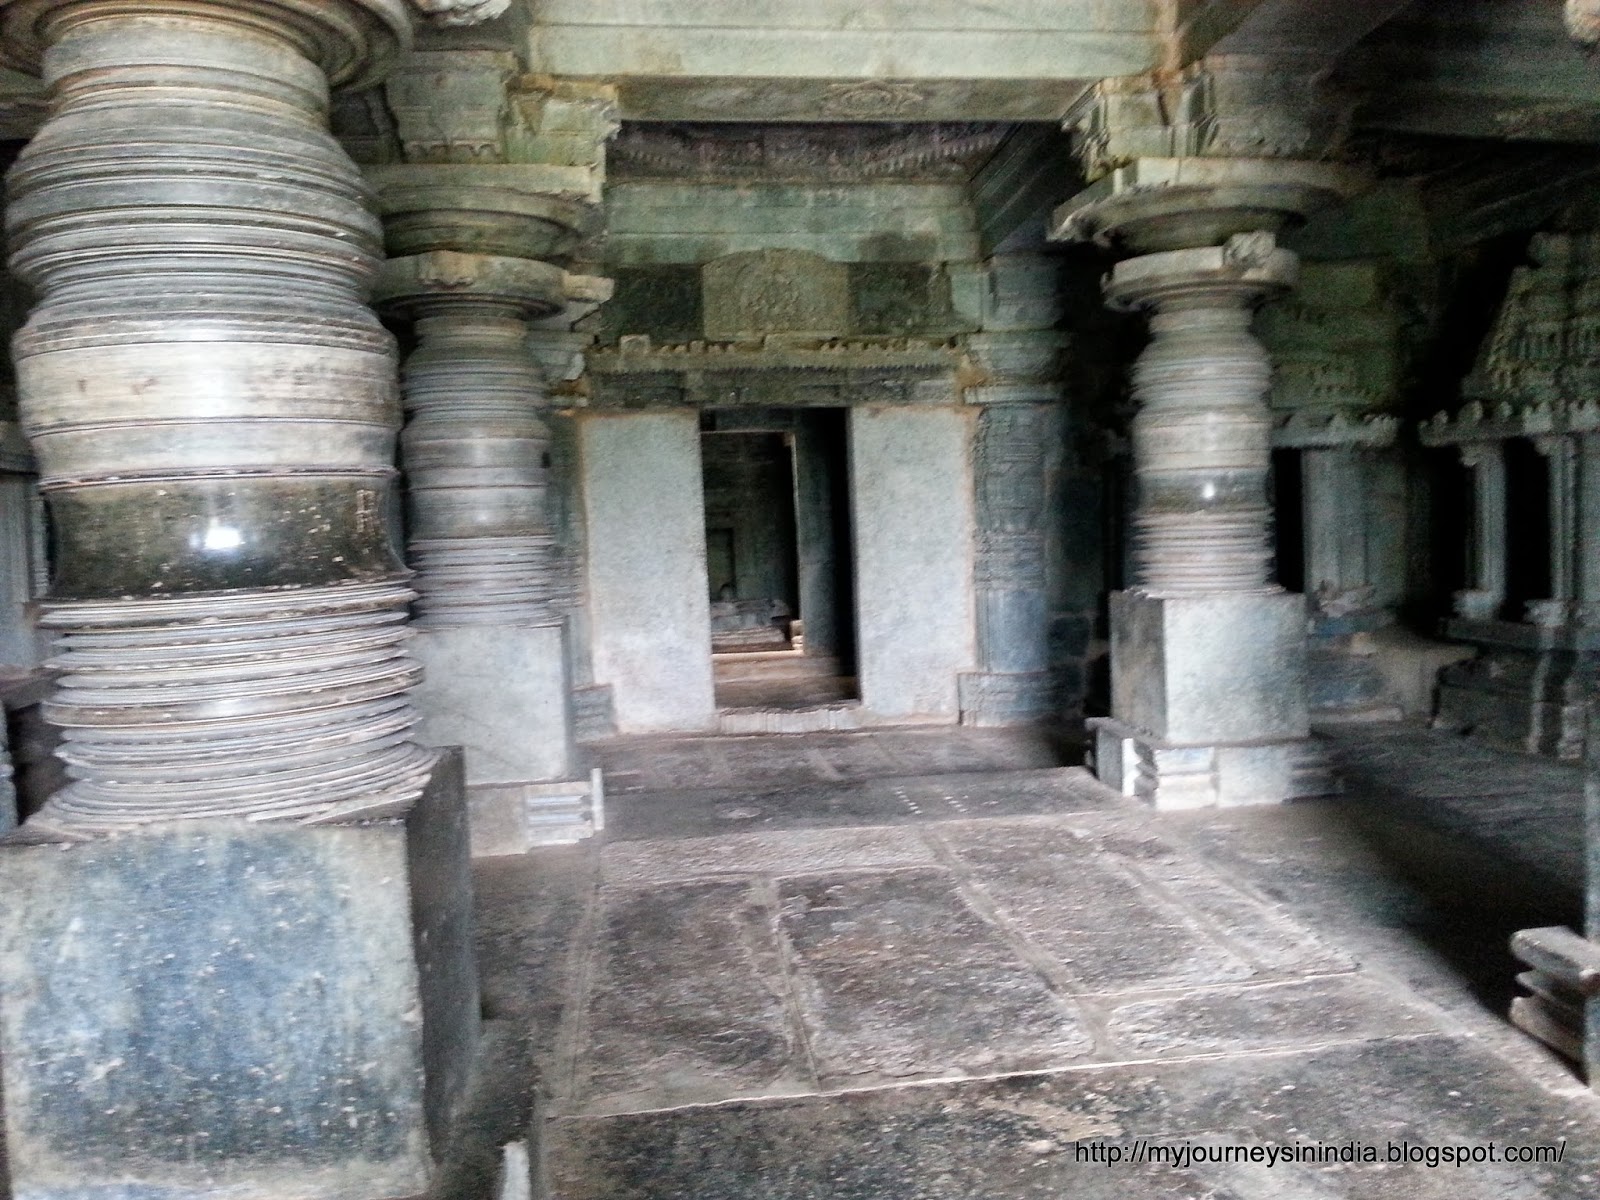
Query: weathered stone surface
{"x": 1021, "y": 1137}
{"x": 898, "y": 976}
{"x": 1274, "y": 1016}
{"x": 501, "y": 692}
{"x": 799, "y": 852}
{"x": 1062, "y": 875}
{"x": 912, "y": 519}
{"x": 261, "y": 1009}
{"x": 1210, "y": 668}
{"x": 649, "y": 605}
{"x": 894, "y": 801}
{"x": 686, "y": 999}
{"x": 775, "y": 291}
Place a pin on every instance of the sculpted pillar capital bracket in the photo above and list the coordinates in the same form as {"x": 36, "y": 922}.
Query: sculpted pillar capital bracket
{"x": 461, "y": 12}
{"x": 539, "y": 212}
{"x": 477, "y": 106}
{"x": 1249, "y": 266}
{"x": 1226, "y": 106}
{"x": 1157, "y": 204}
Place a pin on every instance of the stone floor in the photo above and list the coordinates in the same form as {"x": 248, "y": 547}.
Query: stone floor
{"x": 918, "y": 964}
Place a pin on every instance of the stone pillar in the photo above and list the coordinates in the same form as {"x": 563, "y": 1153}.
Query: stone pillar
{"x": 1334, "y": 492}
{"x": 478, "y": 255}
{"x": 1017, "y": 453}
{"x": 1487, "y": 462}
{"x": 1587, "y": 534}
{"x": 213, "y": 410}
{"x": 1208, "y": 657}
{"x": 1560, "y": 455}
{"x": 269, "y": 988}
{"x": 492, "y": 590}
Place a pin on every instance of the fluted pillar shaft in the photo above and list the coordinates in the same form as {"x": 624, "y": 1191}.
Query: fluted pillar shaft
{"x": 477, "y": 454}
{"x": 213, "y": 409}
{"x": 1201, "y": 436}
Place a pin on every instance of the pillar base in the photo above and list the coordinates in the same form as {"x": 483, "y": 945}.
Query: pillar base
{"x": 1209, "y": 668}
{"x": 220, "y": 1006}
{"x": 1208, "y": 700}
{"x": 501, "y": 693}
{"x": 1168, "y": 777}
{"x": 1522, "y": 692}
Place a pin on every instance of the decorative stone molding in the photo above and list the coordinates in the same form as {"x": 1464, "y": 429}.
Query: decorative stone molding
{"x": 1228, "y": 106}
{"x": 213, "y": 410}
{"x": 1167, "y": 203}
{"x": 1364, "y": 431}
{"x": 831, "y": 152}
{"x": 775, "y": 291}
{"x": 476, "y": 449}
{"x": 462, "y": 12}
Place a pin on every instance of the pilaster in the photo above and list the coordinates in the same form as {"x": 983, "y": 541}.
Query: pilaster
{"x": 1016, "y": 455}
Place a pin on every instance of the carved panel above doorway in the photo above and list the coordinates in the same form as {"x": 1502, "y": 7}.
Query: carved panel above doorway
{"x": 759, "y": 292}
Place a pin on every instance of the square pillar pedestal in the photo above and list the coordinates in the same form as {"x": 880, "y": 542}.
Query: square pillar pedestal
{"x": 219, "y": 1007}
{"x": 1208, "y": 701}
{"x": 502, "y": 693}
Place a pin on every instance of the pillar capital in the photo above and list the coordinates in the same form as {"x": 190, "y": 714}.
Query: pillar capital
{"x": 1224, "y": 106}
{"x": 438, "y": 281}
{"x": 1173, "y": 203}
{"x": 1248, "y": 267}
{"x": 533, "y": 212}
{"x": 354, "y": 42}
{"x": 477, "y": 107}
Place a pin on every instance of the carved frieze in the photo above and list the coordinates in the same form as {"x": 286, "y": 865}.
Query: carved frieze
{"x": 775, "y": 291}
{"x": 804, "y": 151}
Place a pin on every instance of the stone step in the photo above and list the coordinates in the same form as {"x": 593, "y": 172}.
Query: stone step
{"x": 844, "y": 715}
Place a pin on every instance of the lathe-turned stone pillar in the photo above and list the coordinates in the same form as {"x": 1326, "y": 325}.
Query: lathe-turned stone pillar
{"x": 1208, "y": 656}
{"x": 262, "y": 985}
{"x": 493, "y": 592}
{"x": 477, "y": 257}
{"x": 213, "y": 410}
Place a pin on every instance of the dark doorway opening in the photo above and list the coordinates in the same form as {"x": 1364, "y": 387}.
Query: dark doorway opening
{"x": 779, "y": 556}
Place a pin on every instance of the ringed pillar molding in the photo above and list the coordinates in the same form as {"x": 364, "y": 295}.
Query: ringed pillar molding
{"x": 1208, "y": 656}
{"x": 476, "y": 268}
{"x": 253, "y": 973}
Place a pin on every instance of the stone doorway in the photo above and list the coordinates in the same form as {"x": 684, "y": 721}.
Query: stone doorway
{"x": 779, "y": 565}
